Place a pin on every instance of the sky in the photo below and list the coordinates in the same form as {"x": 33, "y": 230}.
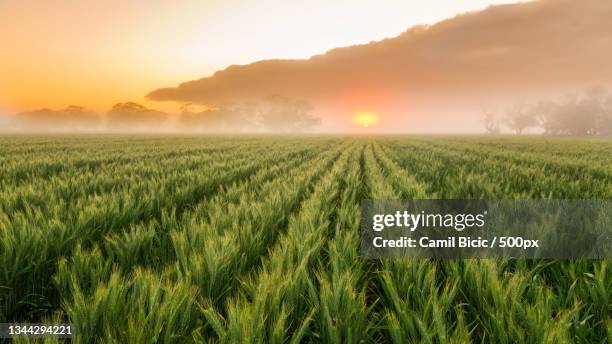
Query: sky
{"x": 387, "y": 66}
{"x": 441, "y": 77}
{"x": 97, "y": 53}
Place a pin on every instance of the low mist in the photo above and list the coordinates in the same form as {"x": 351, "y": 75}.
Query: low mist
{"x": 272, "y": 114}
{"x": 585, "y": 114}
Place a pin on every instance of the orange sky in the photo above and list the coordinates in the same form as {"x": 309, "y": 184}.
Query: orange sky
{"x": 97, "y": 53}
{"x": 433, "y": 78}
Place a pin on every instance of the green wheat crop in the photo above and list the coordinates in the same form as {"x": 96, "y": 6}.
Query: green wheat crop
{"x": 255, "y": 239}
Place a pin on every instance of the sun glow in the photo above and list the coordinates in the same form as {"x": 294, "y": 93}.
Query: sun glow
{"x": 366, "y": 119}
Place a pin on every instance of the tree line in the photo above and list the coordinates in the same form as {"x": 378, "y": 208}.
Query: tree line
{"x": 586, "y": 114}
{"x": 122, "y": 116}
{"x": 275, "y": 113}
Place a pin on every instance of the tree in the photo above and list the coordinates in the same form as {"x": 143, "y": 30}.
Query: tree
{"x": 604, "y": 122}
{"x": 575, "y": 115}
{"x": 274, "y": 113}
{"x": 491, "y": 123}
{"x": 72, "y": 118}
{"x": 586, "y": 114}
{"x": 519, "y": 118}
{"x": 283, "y": 114}
{"x": 226, "y": 118}
{"x": 133, "y": 116}
{"x": 545, "y": 112}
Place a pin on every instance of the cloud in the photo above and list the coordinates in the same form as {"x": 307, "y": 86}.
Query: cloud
{"x": 503, "y": 49}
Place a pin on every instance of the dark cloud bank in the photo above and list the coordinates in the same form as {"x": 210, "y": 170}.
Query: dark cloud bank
{"x": 443, "y": 71}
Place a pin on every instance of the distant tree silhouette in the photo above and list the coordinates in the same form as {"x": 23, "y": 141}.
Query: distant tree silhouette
{"x": 491, "y": 122}
{"x": 586, "y": 115}
{"x": 543, "y": 111}
{"x": 226, "y": 118}
{"x": 133, "y": 116}
{"x": 273, "y": 114}
{"x": 519, "y": 118}
{"x": 69, "y": 119}
{"x": 604, "y": 123}
{"x": 283, "y": 114}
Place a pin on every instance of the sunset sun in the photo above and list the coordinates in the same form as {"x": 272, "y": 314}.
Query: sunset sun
{"x": 366, "y": 119}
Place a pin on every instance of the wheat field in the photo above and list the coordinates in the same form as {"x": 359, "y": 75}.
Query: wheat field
{"x": 255, "y": 239}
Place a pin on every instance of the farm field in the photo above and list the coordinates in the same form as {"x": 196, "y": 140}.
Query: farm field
{"x": 255, "y": 239}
